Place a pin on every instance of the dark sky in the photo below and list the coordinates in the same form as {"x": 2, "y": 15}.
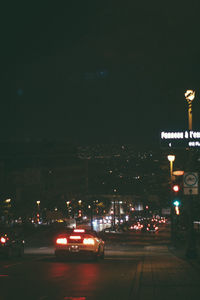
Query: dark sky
{"x": 115, "y": 71}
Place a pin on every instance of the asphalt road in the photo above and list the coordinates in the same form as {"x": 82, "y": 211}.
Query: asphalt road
{"x": 45, "y": 278}
{"x": 38, "y": 275}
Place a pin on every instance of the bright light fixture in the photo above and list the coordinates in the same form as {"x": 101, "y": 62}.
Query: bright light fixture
{"x": 189, "y": 95}
{"x": 171, "y": 157}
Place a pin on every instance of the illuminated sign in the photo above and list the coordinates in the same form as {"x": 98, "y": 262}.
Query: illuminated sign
{"x": 180, "y": 139}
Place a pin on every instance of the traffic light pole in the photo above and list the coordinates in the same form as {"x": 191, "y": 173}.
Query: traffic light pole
{"x": 173, "y": 235}
{"x": 191, "y": 249}
{"x": 174, "y": 189}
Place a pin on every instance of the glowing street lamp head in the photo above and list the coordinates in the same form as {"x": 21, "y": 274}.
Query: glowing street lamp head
{"x": 171, "y": 157}
{"x": 8, "y": 200}
{"x": 189, "y": 95}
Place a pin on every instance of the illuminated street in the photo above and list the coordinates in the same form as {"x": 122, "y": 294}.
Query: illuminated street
{"x": 135, "y": 265}
{"x": 100, "y": 150}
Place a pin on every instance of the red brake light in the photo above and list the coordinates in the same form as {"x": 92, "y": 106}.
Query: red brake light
{"x": 88, "y": 241}
{"x": 61, "y": 241}
{"x": 3, "y": 240}
{"x": 79, "y": 230}
{"x": 75, "y": 237}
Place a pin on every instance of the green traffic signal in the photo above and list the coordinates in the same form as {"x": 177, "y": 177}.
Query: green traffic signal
{"x": 176, "y": 203}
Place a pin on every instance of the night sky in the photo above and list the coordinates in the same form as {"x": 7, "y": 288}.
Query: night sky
{"x": 98, "y": 71}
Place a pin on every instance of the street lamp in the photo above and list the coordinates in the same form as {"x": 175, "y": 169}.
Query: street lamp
{"x": 90, "y": 207}
{"x": 171, "y": 159}
{"x": 114, "y": 209}
{"x": 38, "y": 203}
{"x": 191, "y": 251}
{"x": 190, "y": 95}
{"x": 67, "y": 203}
{"x": 8, "y": 200}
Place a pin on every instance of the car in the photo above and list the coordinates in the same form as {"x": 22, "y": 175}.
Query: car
{"x": 136, "y": 226}
{"x": 11, "y": 243}
{"x": 109, "y": 229}
{"x": 79, "y": 243}
{"x": 150, "y": 228}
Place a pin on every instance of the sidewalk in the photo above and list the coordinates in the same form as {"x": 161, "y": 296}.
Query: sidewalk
{"x": 163, "y": 275}
{"x": 179, "y": 250}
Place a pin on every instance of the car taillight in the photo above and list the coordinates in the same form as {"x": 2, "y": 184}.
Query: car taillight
{"x": 88, "y": 241}
{"x": 79, "y": 230}
{"x": 3, "y": 240}
{"x": 75, "y": 237}
{"x": 61, "y": 241}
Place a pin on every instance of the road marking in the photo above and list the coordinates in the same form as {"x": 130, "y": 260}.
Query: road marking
{"x": 134, "y": 293}
{"x": 74, "y": 298}
{"x": 116, "y": 258}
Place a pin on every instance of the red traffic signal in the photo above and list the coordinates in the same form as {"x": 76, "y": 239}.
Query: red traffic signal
{"x": 176, "y": 188}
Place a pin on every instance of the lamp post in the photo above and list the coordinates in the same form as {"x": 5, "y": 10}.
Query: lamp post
{"x": 191, "y": 249}
{"x": 7, "y": 208}
{"x": 91, "y": 215}
{"x": 190, "y": 95}
{"x": 38, "y": 204}
{"x": 114, "y": 210}
{"x": 171, "y": 159}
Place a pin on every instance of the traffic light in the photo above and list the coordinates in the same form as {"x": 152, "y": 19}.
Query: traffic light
{"x": 176, "y": 188}
{"x": 176, "y": 201}
{"x": 176, "y": 204}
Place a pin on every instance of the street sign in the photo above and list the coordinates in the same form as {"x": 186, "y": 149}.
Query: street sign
{"x": 190, "y": 179}
{"x": 180, "y": 139}
{"x": 190, "y": 183}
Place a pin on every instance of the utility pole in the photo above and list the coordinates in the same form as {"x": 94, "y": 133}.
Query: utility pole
{"x": 171, "y": 159}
